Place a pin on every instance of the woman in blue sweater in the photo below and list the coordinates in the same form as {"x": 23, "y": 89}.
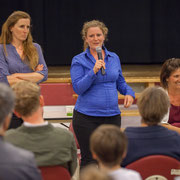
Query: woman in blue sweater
{"x": 97, "y": 102}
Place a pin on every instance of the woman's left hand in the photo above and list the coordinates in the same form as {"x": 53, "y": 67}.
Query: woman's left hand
{"x": 39, "y": 67}
{"x": 128, "y": 100}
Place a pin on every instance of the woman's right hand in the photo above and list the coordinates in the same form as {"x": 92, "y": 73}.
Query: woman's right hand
{"x": 98, "y": 65}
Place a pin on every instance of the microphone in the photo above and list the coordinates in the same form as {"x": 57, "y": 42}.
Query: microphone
{"x": 99, "y": 53}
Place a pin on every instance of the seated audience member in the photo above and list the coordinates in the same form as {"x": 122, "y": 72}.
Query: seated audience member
{"x": 91, "y": 172}
{"x": 169, "y": 76}
{"x": 15, "y": 163}
{"x": 51, "y": 145}
{"x": 151, "y": 138}
{"x": 108, "y": 146}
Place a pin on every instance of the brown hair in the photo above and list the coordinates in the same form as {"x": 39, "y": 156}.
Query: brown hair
{"x": 109, "y": 144}
{"x": 93, "y": 23}
{"x": 153, "y": 105}
{"x": 169, "y": 66}
{"x": 27, "y": 97}
{"x": 6, "y": 38}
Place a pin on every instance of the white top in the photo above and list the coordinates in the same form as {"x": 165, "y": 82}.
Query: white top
{"x": 126, "y": 174}
{"x": 166, "y": 116}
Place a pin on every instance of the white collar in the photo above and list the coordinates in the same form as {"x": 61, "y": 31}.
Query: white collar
{"x": 27, "y": 124}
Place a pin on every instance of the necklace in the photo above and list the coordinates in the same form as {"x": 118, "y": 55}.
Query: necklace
{"x": 20, "y": 51}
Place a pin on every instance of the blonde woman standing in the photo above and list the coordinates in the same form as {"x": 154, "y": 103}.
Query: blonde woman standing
{"x": 97, "y": 102}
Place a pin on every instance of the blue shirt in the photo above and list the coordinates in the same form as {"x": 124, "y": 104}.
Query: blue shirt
{"x": 151, "y": 140}
{"x": 12, "y": 63}
{"x": 98, "y": 95}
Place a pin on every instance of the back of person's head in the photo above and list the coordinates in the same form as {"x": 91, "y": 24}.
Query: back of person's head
{"x": 6, "y": 102}
{"x": 6, "y": 35}
{"x": 109, "y": 144}
{"x": 27, "y": 97}
{"x": 153, "y": 105}
{"x": 169, "y": 66}
{"x": 91, "y": 172}
{"x": 93, "y": 23}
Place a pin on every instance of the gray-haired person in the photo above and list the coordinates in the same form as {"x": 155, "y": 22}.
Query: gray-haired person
{"x": 15, "y": 163}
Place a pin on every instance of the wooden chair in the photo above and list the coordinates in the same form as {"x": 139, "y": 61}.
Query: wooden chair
{"x": 159, "y": 167}
{"x": 54, "y": 173}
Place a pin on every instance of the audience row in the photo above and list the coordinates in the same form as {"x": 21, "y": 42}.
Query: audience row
{"x": 112, "y": 149}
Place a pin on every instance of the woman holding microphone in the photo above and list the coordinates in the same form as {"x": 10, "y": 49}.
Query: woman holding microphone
{"x": 96, "y": 77}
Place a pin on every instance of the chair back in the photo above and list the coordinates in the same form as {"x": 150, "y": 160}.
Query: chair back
{"x": 77, "y": 144}
{"x": 54, "y": 173}
{"x": 159, "y": 167}
{"x": 72, "y": 130}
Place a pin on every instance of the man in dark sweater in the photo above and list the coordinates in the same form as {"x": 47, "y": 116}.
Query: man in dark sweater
{"x": 152, "y": 138}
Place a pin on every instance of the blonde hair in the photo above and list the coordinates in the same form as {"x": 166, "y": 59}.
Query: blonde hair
{"x": 27, "y": 97}
{"x": 93, "y": 23}
{"x": 30, "y": 50}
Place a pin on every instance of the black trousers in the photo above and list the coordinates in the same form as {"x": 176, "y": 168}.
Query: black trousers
{"x": 15, "y": 122}
{"x": 83, "y": 126}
